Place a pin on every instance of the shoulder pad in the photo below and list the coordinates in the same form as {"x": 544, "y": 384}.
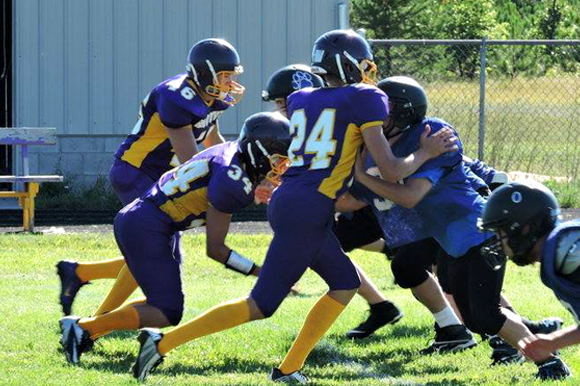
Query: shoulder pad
{"x": 567, "y": 251}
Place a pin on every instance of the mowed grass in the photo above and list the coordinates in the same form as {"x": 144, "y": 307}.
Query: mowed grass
{"x": 29, "y": 332}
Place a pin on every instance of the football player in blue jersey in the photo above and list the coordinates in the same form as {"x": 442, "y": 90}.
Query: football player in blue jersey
{"x": 175, "y": 117}
{"x": 525, "y": 216}
{"x": 328, "y": 125}
{"x": 443, "y": 198}
{"x": 204, "y": 190}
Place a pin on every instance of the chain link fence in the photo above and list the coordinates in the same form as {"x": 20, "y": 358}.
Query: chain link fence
{"x": 515, "y": 104}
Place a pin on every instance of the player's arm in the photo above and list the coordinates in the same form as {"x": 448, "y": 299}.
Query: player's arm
{"x": 348, "y": 203}
{"x": 217, "y": 227}
{"x": 539, "y": 347}
{"x": 182, "y": 142}
{"x": 406, "y": 195}
{"x": 395, "y": 169}
{"x": 214, "y": 137}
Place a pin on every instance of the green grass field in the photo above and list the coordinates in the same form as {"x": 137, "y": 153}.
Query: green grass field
{"x": 29, "y": 333}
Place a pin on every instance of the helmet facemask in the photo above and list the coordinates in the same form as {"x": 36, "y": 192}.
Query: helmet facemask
{"x": 278, "y": 166}
{"x": 264, "y": 165}
{"x": 224, "y": 85}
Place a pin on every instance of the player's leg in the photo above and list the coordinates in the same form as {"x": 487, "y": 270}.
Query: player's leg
{"x": 360, "y": 229}
{"x": 411, "y": 267}
{"x": 144, "y": 237}
{"x": 128, "y": 183}
{"x": 381, "y": 311}
{"x": 340, "y": 274}
{"x": 291, "y": 251}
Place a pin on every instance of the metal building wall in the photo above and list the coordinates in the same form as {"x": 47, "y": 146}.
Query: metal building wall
{"x": 83, "y": 66}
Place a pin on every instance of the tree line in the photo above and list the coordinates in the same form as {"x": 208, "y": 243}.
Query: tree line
{"x": 472, "y": 19}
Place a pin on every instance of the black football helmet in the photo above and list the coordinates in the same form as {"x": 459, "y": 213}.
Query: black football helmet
{"x": 344, "y": 54}
{"x": 288, "y": 79}
{"x": 407, "y": 103}
{"x": 524, "y": 212}
{"x": 263, "y": 145}
{"x": 208, "y": 59}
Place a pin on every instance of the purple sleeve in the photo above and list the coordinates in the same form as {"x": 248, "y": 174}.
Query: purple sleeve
{"x": 173, "y": 115}
{"x": 229, "y": 195}
{"x": 370, "y": 105}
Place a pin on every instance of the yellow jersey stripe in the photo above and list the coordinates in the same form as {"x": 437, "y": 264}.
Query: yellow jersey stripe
{"x": 154, "y": 135}
{"x": 194, "y": 202}
{"x": 352, "y": 141}
{"x": 370, "y": 124}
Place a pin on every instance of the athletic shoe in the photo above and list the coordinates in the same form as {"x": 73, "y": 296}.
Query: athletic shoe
{"x": 450, "y": 339}
{"x": 503, "y": 353}
{"x": 546, "y": 326}
{"x": 149, "y": 357}
{"x": 74, "y": 339}
{"x": 380, "y": 315}
{"x": 553, "y": 368}
{"x": 70, "y": 284}
{"x": 296, "y": 377}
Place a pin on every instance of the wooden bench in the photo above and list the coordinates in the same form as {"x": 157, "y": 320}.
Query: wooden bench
{"x": 25, "y": 137}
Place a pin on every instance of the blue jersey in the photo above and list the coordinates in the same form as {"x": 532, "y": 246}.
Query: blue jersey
{"x": 563, "y": 241}
{"x": 483, "y": 171}
{"x": 171, "y": 104}
{"x": 451, "y": 209}
{"x": 400, "y": 225}
{"x": 213, "y": 177}
{"x": 326, "y": 126}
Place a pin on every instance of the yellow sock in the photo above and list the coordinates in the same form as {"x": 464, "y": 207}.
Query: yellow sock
{"x": 124, "y": 286}
{"x": 321, "y": 316}
{"x": 106, "y": 269}
{"x": 123, "y": 318}
{"x": 218, "y": 318}
{"x": 133, "y": 302}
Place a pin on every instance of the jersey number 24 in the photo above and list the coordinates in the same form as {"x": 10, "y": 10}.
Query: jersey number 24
{"x": 319, "y": 141}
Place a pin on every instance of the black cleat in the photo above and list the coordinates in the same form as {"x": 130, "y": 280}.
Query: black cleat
{"x": 74, "y": 339}
{"x": 149, "y": 357}
{"x": 450, "y": 339}
{"x": 380, "y": 315}
{"x": 70, "y": 284}
{"x": 552, "y": 369}
{"x": 503, "y": 353}
{"x": 296, "y": 377}
{"x": 546, "y": 326}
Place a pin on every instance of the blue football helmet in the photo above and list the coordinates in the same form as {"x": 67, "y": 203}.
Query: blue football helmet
{"x": 213, "y": 65}
{"x": 346, "y": 55}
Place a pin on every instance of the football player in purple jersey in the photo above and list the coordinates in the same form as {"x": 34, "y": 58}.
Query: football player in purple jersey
{"x": 205, "y": 190}
{"x": 328, "y": 126}
{"x": 525, "y": 216}
{"x": 175, "y": 117}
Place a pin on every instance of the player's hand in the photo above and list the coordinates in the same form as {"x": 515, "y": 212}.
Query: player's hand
{"x": 263, "y": 192}
{"x": 442, "y": 141}
{"x": 537, "y": 348}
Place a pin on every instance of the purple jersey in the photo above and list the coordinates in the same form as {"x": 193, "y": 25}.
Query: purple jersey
{"x": 326, "y": 126}
{"x": 213, "y": 177}
{"x": 172, "y": 104}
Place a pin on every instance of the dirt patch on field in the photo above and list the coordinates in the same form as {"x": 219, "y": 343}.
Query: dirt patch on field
{"x": 246, "y": 227}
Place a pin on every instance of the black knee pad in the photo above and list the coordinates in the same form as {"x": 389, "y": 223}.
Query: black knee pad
{"x": 267, "y": 309}
{"x": 487, "y": 320}
{"x": 174, "y": 315}
{"x": 407, "y": 275}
